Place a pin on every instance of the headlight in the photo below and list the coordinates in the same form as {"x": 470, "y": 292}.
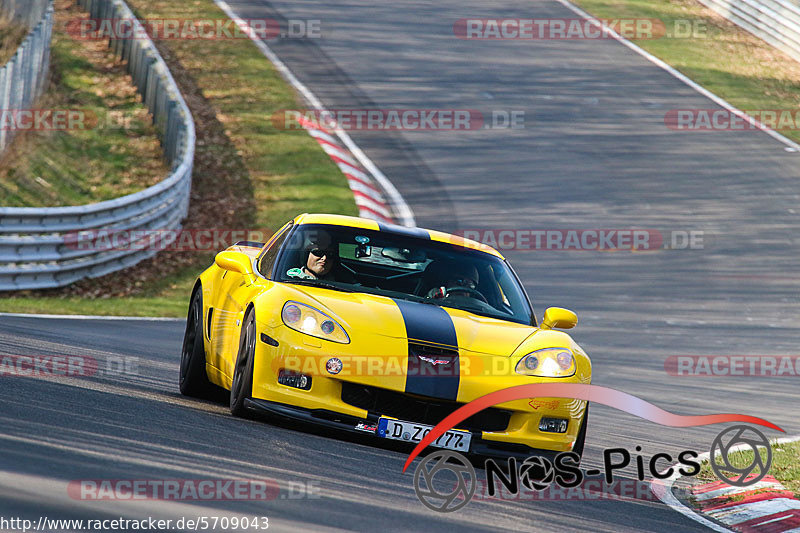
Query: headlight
{"x": 547, "y": 363}
{"x": 306, "y": 319}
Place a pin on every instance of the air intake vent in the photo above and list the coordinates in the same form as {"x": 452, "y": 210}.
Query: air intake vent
{"x": 414, "y": 409}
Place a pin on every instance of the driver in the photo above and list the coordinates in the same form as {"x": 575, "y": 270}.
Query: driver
{"x": 460, "y": 280}
{"x": 319, "y": 263}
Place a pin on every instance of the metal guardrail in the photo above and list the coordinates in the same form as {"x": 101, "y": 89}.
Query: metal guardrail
{"x": 24, "y": 77}
{"x": 38, "y": 245}
{"x": 775, "y": 21}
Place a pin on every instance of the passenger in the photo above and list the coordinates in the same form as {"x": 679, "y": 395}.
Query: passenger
{"x": 457, "y": 280}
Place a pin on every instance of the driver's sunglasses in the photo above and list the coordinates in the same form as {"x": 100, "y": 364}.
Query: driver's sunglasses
{"x": 319, "y": 252}
{"x": 466, "y": 282}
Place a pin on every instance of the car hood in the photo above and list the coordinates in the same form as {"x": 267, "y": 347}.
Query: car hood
{"x": 361, "y": 313}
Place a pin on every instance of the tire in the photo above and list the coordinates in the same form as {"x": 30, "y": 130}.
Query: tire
{"x": 193, "y": 378}
{"x": 580, "y": 441}
{"x": 242, "y": 383}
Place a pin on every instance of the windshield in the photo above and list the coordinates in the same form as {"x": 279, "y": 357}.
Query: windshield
{"x": 405, "y": 267}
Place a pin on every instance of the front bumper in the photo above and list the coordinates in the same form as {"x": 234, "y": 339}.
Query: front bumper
{"x": 328, "y": 397}
{"x": 349, "y": 424}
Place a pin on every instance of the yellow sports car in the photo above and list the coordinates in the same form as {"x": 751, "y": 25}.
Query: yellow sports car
{"x": 381, "y": 329}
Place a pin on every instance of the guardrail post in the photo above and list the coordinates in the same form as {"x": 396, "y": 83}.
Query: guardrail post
{"x": 5, "y": 89}
{"x": 45, "y": 71}
{"x": 35, "y": 61}
{"x": 13, "y": 67}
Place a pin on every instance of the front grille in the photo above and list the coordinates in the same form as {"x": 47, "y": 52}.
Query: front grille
{"x": 424, "y": 411}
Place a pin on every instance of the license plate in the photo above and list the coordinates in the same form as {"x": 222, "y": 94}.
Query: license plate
{"x": 412, "y": 432}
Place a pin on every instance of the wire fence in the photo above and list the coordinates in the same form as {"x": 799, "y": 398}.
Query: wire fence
{"x": 37, "y": 244}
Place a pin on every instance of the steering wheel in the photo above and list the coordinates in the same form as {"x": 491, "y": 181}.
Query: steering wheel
{"x": 472, "y": 292}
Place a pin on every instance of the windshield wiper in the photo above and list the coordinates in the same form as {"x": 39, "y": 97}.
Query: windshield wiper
{"x": 318, "y": 283}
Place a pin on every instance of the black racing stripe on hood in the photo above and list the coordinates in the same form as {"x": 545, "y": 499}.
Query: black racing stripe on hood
{"x": 430, "y": 324}
{"x": 402, "y": 230}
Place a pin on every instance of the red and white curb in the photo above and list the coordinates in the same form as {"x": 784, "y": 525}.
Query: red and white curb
{"x": 764, "y": 507}
{"x": 369, "y": 199}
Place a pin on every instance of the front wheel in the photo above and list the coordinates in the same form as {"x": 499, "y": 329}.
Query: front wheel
{"x": 242, "y": 385}
{"x": 193, "y": 378}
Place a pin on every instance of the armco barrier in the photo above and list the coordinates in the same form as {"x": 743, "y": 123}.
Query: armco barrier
{"x": 35, "y": 251}
{"x": 775, "y": 21}
{"x": 23, "y": 78}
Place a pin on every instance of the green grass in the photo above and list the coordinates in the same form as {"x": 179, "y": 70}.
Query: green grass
{"x": 101, "y": 161}
{"x": 166, "y": 298}
{"x": 721, "y": 57}
{"x": 248, "y": 174}
{"x": 785, "y": 465}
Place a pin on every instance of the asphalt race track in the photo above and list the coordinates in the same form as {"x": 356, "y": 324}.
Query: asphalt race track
{"x": 594, "y": 153}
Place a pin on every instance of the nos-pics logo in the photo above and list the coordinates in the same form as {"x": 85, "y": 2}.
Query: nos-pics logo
{"x": 445, "y": 481}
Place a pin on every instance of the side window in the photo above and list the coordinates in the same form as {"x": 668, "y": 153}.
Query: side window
{"x": 268, "y": 257}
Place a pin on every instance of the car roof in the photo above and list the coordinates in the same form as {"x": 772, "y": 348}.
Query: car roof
{"x": 366, "y": 223}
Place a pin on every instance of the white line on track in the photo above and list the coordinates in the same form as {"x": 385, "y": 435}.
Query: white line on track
{"x": 663, "y": 488}
{"x": 93, "y": 317}
{"x": 791, "y": 146}
{"x": 404, "y": 212}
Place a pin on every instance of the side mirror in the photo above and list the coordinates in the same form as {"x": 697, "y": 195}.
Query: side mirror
{"x": 235, "y": 262}
{"x": 557, "y": 317}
